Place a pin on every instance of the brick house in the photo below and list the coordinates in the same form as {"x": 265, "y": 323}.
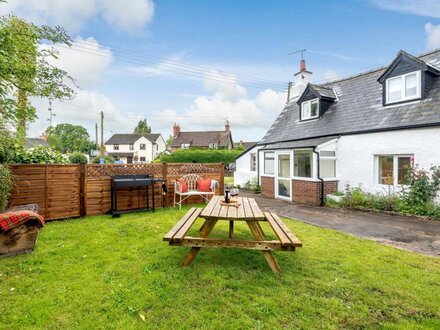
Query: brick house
{"x": 364, "y": 130}
{"x": 202, "y": 139}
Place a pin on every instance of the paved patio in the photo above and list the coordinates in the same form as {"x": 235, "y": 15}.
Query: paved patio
{"x": 402, "y": 232}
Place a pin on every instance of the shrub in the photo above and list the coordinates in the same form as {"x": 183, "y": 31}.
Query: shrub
{"x": 253, "y": 185}
{"x": 201, "y": 156}
{"x": 77, "y": 158}
{"x": 107, "y": 160}
{"x": 422, "y": 186}
{"x": 7, "y": 146}
{"x": 39, "y": 155}
{"x": 5, "y": 185}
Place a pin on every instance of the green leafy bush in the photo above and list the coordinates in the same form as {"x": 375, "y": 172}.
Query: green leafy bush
{"x": 201, "y": 156}
{"x": 253, "y": 185}
{"x": 107, "y": 160}
{"x": 5, "y": 185}
{"x": 39, "y": 155}
{"x": 7, "y": 146}
{"x": 77, "y": 158}
{"x": 421, "y": 186}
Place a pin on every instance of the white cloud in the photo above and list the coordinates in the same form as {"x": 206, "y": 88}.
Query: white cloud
{"x": 81, "y": 64}
{"x": 330, "y": 75}
{"x": 127, "y": 16}
{"x": 432, "y": 36}
{"x": 429, "y": 8}
{"x": 228, "y": 100}
{"x": 84, "y": 110}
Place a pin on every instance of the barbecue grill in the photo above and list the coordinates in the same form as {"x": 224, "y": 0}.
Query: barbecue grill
{"x": 132, "y": 181}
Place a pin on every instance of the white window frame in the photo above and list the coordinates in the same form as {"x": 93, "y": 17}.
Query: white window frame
{"x": 253, "y": 162}
{"x": 184, "y": 146}
{"x": 213, "y": 145}
{"x": 131, "y": 147}
{"x": 396, "y": 157}
{"x": 403, "y": 89}
{"x": 264, "y": 163}
{"x": 313, "y": 169}
{"x": 309, "y": 102}
{"x": 144, "y": 146}
{"x": 277, "y": 177}
{"x": 328, "y": 158}
{"x": 116, "y": 146}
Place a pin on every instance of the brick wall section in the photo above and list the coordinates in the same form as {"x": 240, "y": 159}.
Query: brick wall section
{"x": 309, "y": 192}
{"x": 268, "y": 187}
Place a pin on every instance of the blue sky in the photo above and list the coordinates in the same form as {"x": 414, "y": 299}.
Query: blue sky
{"x": 199, "y": 62}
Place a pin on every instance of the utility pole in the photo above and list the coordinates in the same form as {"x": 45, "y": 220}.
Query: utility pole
{"x": 102, "y": 150}
{"x": 96, "y": 133}
{"x": 51, "y": 114}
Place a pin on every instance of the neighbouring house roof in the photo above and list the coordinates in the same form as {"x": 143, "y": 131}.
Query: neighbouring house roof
{"x": 358, "y": 108}
{"x": 34, "y": 142}
{"x": 121, "y": 154}
{"x": 299, "y": 144}
{"x": 202, "y": 139}
{"x": 131, "y": 138}
{"x": 245, "y": 145}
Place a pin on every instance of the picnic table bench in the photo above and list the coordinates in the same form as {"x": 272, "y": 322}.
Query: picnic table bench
{"x": 247, "y": 211}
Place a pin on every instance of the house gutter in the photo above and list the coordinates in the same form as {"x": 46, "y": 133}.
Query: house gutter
{"x": 319, "y": 178}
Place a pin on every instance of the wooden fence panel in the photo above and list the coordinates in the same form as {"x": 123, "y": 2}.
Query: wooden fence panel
{"x": 66, "y": 191}
{"x": 55, "y": 188}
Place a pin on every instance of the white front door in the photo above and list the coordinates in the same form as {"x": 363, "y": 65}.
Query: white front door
{"x": 283, "y": 182}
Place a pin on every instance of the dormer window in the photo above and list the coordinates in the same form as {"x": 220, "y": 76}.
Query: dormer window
{"x": 403, "y": 88}
{"x": 310, "y": 109}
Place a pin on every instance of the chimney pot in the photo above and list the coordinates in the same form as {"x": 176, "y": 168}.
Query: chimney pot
{"x": 176, "y": 130}
{"x": 302, "y": 66}
{"x": 227, "y": 127}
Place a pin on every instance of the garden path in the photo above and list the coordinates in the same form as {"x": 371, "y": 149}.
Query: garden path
{"x": 403, "y": 232}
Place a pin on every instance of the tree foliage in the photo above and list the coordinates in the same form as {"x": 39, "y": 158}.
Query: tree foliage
{"x": 201, "y": 156}
{"x": 142, "y": 127}
{"x": 25, "y": 70}
{"x": 69, "y": 138}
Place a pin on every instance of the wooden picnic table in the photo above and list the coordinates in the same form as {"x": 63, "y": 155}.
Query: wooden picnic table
{"x": 247, "y": 211}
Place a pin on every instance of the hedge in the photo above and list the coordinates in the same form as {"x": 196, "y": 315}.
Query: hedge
{"x": 202, "y": 156}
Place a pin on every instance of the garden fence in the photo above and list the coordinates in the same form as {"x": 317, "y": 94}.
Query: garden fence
{"x": 74, "y": 190}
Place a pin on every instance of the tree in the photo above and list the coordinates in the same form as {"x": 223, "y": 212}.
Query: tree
{"x": 25, "y": 71}
{"x": 142, "y": 127}
{"x": 69, "y": 138}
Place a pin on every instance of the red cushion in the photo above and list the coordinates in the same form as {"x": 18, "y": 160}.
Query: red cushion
{"x": 183, "y": 186}
{"x": 204, "y": 185}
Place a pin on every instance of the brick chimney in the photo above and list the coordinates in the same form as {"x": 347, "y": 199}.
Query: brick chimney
{"x": 302, "y": 78}
{"x": 176, "y": 130}
{"x": 227, "y": 127}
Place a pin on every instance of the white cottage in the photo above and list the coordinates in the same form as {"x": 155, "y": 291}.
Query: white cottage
{"x": 135, "y": 148}
{"x": 362, "y": 130}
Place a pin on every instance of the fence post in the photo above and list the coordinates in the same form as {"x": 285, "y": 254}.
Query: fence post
{"x": 222, "y": 178}
{"x": 46, "y": 194}
{"x": 82, "y": 187}
{"x": 165, "y": 177}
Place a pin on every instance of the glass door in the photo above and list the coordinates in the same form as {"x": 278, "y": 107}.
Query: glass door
{"x": 283, "y": 180}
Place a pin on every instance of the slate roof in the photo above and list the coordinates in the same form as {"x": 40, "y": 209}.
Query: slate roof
{"x": 202, "y": 138}
{"x": 359, "y": 108}
{"x": 33, "y": 142}
{"x": 121, "y": 154}
{"x": 324, "y": 91}
{"x": 131, "y": 138}
{"x": 299, "y": 144}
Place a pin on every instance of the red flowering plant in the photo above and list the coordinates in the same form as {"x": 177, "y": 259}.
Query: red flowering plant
{"x": 421, "y": 185}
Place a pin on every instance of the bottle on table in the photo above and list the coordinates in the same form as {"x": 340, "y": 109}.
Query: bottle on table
{"x": 227, "y": 195}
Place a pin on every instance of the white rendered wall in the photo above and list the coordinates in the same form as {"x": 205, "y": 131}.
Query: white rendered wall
{"x": 356, "y": 163}
{"x": 160, "y": 146}
{"x": 243, "y": 171}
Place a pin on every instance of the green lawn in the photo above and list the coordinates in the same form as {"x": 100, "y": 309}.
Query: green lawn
{"x": 229, "y": 181}
{"x": 107, "y": 273}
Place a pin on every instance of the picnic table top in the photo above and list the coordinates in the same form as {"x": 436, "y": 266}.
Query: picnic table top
{"x": 248, "y": 210}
